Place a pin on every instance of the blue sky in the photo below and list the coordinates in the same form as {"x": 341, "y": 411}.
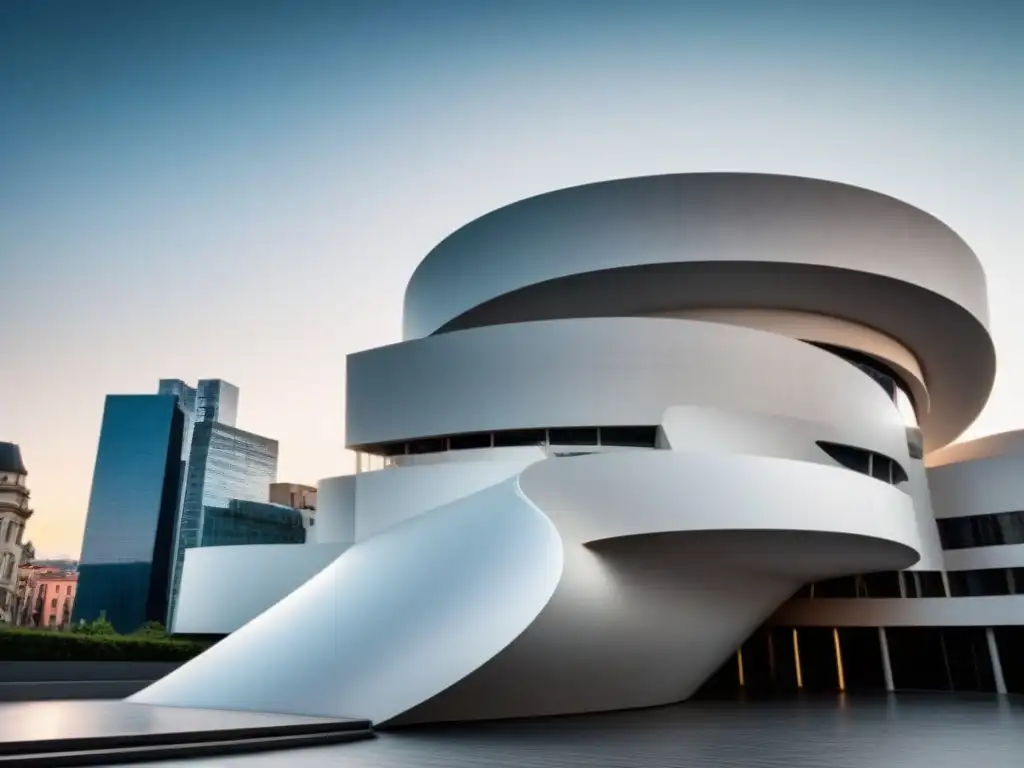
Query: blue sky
{"x": 241, "y": 190}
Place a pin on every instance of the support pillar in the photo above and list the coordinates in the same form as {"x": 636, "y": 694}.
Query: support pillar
{"x": 886, "y": 663}
{"x": 840, "y": 673}
{"x": 796, "y": 659}
{"x": 997, "y": 665}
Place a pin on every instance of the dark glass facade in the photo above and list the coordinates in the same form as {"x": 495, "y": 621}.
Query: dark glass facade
{"x": 885, "y": 584}
{"x": 865, "y": 462}
{"x": 629, "y": 436}
{"x": 778, "y": 659}
{"x": 225, "y": 464}
{"x": 251, "y": 522}
{"x": 982, "y": 530}
{"x": 124, "y": 570}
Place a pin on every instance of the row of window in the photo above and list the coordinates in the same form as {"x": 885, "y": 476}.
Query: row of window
{"x": 982, "y": 530}
{"x": 886, "y": 584}
{"x": 13, "y": 531}
{"x": 633, "y": 437}
{"x": 984, "y": 582}
{"x": 865, "y": 462}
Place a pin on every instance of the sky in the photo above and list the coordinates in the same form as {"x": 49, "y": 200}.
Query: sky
{"x": 241, "y": 190}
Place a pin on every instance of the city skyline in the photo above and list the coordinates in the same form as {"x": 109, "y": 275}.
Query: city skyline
{"x": 187, "y": 194}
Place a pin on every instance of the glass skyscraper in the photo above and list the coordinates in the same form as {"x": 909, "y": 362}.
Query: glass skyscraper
{"x": 187, "y": 402}
{"x": 251, "y": 522}
{"x": 225, "y": 464}
{"x": 217, "y": 400}
{"x": 125, "y": 565}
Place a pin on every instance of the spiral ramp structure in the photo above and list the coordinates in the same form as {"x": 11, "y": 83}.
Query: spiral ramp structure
{"x": 627, "y": 421}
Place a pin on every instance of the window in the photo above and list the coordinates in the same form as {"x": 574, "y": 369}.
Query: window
{"x": 982, "y": 530}
{"x": 846, "y": 455}
{"x": 573, "y": 436}
{"x": 470, "y": 442}
{"x": 428, "y": 445}
{"x": 985, "y": 582}
{"x": 923, "y": 584}
{"x": 58, "y": 589}
{"x": 865, "y": 462}
{"x": 843, "y": 587}
{"x": 637, "y": 437}
{"x": 519, "y": 437}
{"x": 884, "y": 584}
{"x": 53, "y": 603}
{"x": 915, "y": 443}
{"x": 881, "y": 468}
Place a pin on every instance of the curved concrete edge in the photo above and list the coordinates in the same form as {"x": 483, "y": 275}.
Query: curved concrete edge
{"x": 671, "y": 561}
{"x": 573, "y": 586}
{"x": 690, "y": 217}
{"x": 390, "y": 623}
{"x": 574, "y": 372}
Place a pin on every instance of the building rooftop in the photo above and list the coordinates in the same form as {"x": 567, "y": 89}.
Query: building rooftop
{"x": 10, "y": 459}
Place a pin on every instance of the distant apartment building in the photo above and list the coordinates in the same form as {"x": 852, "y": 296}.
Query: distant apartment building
{"x": 46, "y": 597}
{"x": 14, "y": 513}
{"x": 226, "y": 464}
{"x": 300, "y": 497}
{"x": 124, "y": 570}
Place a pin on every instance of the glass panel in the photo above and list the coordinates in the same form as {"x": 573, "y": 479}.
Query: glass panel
{"x": 881, "y": 467}
{"x": 884, "y": 584}
{"x": 980, "y": 583}
{"x": 428, "y": 445}
{"x": 910, "y": 588}
{"x": 847, "y": 456}
{"x": 519, "y": 437}
{"x": 982, "y": 530}
{"x": 470, "y": 442}
{"x": 640, "y": 437}
{"x": 843, "y": 587}
{"x": 930, "y": 583}
{"x": 572, "y": 436}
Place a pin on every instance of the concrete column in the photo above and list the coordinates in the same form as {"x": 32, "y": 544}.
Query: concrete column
{"x": 886, "y": 664}
{"x": 997, "y": 665}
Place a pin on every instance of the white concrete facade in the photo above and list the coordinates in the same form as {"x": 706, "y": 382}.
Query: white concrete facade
{"x": 628, "y": 421}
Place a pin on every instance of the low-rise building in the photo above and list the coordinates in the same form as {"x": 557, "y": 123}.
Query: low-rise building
{"x": 45, "y": 597}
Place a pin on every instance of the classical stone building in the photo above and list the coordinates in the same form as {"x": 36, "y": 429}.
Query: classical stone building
{"x": 14, "y": 513}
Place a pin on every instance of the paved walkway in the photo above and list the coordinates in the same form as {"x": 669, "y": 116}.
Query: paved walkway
{"x": 908, "y": 731}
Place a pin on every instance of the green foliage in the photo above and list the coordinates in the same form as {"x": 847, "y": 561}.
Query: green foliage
{"x": 43, "y": 645}
{"x": 150, "y": 629}
{"x": 100, "y": 626}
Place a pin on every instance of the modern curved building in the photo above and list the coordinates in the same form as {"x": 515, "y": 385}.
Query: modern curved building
{"x": 640, "y": 437}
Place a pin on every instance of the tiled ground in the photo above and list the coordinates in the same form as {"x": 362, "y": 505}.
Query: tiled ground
{"x": 908, "y": 731}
